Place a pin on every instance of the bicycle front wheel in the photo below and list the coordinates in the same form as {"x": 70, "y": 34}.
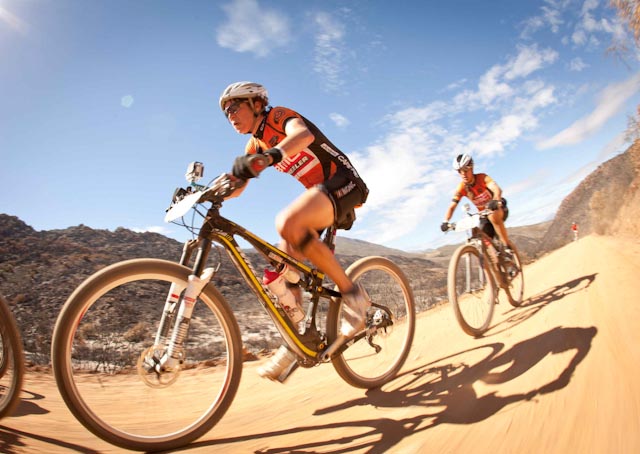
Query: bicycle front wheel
{"x": 104, "y": 337}
{"x": 515, "y": 277}
{"x": 471, "y": 289}
{"x": 11, "y": 361}
{"x": 377, "y": 357}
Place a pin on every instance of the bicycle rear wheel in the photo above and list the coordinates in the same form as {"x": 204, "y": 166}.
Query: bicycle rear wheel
{"x": 515, "y": 276}
{"x": 106, "y": 330}
{"x": 471, "y": 289}
{"x": 375, "y": 359}
{"x": 11, "y": 361}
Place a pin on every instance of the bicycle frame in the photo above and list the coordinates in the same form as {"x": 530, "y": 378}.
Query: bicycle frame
{"x": 215, "y": 228}
{"x": 483, "y": 242}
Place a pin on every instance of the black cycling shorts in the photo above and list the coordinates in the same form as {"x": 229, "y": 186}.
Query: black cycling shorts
{"x": 487, "y": 227}
{"x": 345, "y": 195}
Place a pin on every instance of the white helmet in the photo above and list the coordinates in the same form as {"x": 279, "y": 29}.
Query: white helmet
{"x": 242, "y": 90}
{"x": 462, "y": 160}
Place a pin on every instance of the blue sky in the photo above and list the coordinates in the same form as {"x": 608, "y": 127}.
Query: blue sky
{"x": 104, "y": 103}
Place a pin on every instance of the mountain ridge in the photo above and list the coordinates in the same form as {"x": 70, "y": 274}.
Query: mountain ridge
{"x": 40, "y": 269}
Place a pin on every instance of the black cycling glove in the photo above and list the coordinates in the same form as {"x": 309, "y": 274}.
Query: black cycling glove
{"x": 493, "y": 205}
{"x": 250, "y": 165}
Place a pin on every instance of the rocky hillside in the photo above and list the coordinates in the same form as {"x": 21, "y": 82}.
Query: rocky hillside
{"x": 605, "y": 202}
{"x": 40, "y": 269}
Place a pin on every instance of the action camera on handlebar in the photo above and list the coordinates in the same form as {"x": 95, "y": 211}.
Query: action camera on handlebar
{"x": 195, "y": 171}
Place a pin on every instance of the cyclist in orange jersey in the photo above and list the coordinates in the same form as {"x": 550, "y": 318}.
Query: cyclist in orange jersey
{"x": 484, "y": 192}
{"x": 284, "y": 139}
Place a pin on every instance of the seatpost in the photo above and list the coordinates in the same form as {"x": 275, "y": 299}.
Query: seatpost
{"x": 329, "y": 238}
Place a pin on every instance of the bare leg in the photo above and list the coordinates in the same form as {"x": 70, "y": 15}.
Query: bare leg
{"x": 310, "y": 212}
{"x": 497, "y": 219}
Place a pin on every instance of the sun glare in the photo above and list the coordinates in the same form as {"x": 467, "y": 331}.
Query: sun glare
{"x": 13, "y": 21}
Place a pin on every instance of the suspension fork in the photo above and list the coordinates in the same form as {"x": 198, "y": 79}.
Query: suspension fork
{"x": 168, "y": 313}
{"x": 195, "y": 283}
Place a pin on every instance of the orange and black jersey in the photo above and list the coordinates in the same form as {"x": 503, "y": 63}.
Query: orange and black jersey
{"x": 311, "y": 166}
{"x": 478, "y": 192}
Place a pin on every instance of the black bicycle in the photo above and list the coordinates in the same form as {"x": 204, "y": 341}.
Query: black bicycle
{"x": 178, "y": 353}
{"x": 11, "y": 360}
{"x": 477, "y": 270}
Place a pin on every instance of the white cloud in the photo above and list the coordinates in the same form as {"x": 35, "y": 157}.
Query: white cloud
{"x": 577, "y": 64}
{"x": 590, "y": 25}
{"x": 340, "y": 120}
{"x": 496, "y": 84}
{"x": 550, "y": 17}
{"x": 524, "y": 186}
{"x": 253, "y": 28}
{"x": 529, "y": 60}
{"x": 329, "y": 52}
{"x": 153, "y": 229}
{"x": 610, "y": 101}
{"x": 409, "y": 170}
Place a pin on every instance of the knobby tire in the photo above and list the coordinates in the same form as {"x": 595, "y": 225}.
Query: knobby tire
{"x": 146, "y": 418}
{"x": 360, "y": 365}
{"x": 472, "y": 292}
{"x": 11, "y": 361}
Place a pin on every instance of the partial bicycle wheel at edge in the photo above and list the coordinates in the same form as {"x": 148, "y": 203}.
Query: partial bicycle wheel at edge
{"x": 11, "y": 361}
{"x": 471, "y": 290}
{"x": 515, "y": 289}
{"x": 104, "y": 329}
{"x": 377, "y": 358}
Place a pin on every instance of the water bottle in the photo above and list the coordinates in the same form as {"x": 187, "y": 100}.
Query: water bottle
{"x": 289, "y": 273}
{"x": 286, "y": 299}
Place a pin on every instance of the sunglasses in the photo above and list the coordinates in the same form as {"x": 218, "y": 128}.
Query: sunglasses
{"x": 464, "y": 169}
{"x": 233, "y": 108}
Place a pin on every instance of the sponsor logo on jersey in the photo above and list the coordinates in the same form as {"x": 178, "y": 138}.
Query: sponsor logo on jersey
{"x": 340, "y": 193}
{"x": 277, "y": 115}
{"x": 293, "y": 166}
{"x": 340, "y": 157}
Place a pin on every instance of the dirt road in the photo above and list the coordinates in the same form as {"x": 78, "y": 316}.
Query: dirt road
{"x": 560, "y": 374}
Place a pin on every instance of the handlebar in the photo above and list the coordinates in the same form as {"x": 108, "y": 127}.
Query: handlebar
{"x": 184, "y": 199}
{"x": 222, "y": 187}
{"x": 481, "y": 214}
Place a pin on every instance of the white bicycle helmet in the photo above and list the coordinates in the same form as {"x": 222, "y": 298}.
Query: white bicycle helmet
{"x": 244, "y": 90}
{"x": 462, "y": 160}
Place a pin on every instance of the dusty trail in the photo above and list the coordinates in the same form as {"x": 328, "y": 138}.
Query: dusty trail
{"x": 557, "y": 375}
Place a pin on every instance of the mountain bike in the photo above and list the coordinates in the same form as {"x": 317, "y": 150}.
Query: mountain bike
{"x": 11, "y": 360}
{"x": 147, "y": 353}
{"x": 477, "y": 270}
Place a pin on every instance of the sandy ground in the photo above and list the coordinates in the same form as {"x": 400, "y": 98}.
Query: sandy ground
{"x": 555, "y": 376}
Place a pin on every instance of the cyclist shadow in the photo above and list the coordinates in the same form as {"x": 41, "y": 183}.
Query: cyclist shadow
{"x": 534, "y": 304}
{"x": 447, "y": 382}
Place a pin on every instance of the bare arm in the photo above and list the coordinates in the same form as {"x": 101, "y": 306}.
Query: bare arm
{"x": 450, "y": 211}
{"x": 495, "y": 190}
{"x": 298, "y": 137}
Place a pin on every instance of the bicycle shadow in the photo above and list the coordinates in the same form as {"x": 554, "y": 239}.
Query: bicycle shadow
{"x": 27, "y": 405}
{"x": 11, "y": 441}
{"x": 536, "y": 303}
{"x": 446, "y": 382}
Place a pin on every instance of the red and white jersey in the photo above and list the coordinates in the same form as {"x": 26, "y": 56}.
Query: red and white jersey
{"x": 312, "y": 165}
{"x": 478, "y": 192}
